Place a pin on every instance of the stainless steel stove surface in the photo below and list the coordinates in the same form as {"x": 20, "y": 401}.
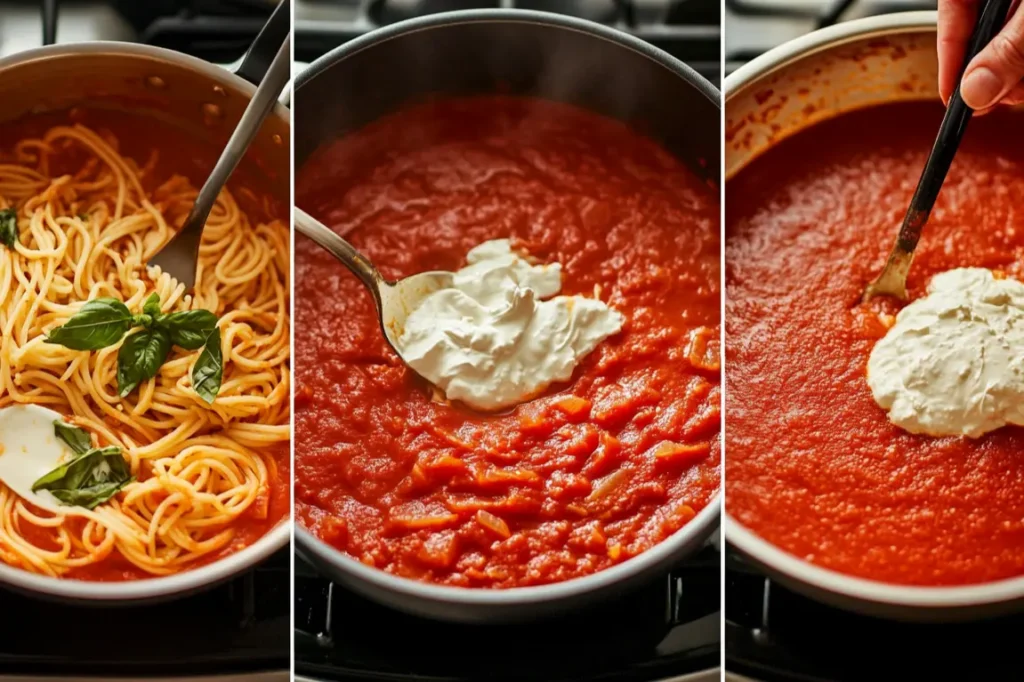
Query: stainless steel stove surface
{"x": 669, "y": 630}
{"x": 687, "y": 29}
{"x": 752, "y": 27}
{"x": 773, "y": 634}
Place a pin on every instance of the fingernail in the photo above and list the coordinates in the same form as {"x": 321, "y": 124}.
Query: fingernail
{"x": 980, "y": 88}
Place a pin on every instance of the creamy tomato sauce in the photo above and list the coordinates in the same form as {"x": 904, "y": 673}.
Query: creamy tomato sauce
{"x": 814, "y": 466}
{"x": 593, "y": 472}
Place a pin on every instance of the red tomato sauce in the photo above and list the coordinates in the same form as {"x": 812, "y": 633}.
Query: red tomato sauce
{"x": 814, "y": 466}
{"x": 598, "y": 469}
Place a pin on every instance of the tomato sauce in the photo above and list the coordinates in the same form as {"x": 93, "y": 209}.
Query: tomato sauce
{"x": 598, "y": 469}
{"x": 814, "y": 466}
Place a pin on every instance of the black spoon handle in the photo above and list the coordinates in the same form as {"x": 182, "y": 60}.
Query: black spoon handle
{"x": 954, "y": 124}
{"x": 49, "y": 9}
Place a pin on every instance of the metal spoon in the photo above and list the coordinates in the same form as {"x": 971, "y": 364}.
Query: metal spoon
{"x": 893, "y": 280}
{"x": 394, "y": 299}
{"x": 178, "y": 257}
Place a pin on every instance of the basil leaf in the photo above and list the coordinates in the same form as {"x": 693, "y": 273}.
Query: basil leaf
{"x": 9, "y": 227}
{"x": 88, "y": 480}
{"x": 152, "y": 305}
{"x": 190, "y": 328}
{"x": 140, "y": 358}
{"x": 79, "y": 471}
{"x": 100, "y": 323}
{"x": 209, "y": 368}
{"x": 77, "y": 439}
{"x": 92, "y": 496}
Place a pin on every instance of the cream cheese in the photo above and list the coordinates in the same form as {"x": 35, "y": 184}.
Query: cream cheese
{"x": 497, "y": 337}
{"x": 953, "y": 362}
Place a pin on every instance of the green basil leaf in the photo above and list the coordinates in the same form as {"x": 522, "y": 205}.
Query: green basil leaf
{"x": 9, "y": 227}
{"x": 209, "y": 368}
{"x": 76, "y": 438}
{"x": 88, "y": 480}
{"x": 88, "y": 468}
{"x": 189, "y": 328}
{"x": 152, "y": 305}
{"x": 92, "y": 496}
{"x": 140, "y": 358}
{"x": 100, "y": 323}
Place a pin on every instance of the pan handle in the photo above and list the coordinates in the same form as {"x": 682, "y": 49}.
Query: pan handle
{"x": 260, "y": 56}
{"x": 49, "y": 22}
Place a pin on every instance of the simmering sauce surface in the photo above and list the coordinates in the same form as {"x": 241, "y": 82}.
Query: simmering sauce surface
{"x": 593, "y": 472}
{"x": 814, "y": 466}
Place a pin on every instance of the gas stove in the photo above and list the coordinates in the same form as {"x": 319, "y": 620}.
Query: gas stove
{"x": 687, "y": 29}
{"x": 773, "y": 634}
{"x": 218, "y": 31}
{"x": 235, "y": 631}
{"x": 755, "y": 26}
{"x": 668, "y": 630}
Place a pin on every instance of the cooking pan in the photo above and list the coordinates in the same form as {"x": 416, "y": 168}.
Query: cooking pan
{"x": 206, "y": 102}
{"x": 845, "y": 67}
{"x": 526, "y": 53}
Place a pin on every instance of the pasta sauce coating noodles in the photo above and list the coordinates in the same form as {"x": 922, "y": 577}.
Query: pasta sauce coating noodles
{"x": 210, "y": 478}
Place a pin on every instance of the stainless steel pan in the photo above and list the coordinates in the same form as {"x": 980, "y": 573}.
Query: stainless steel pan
{"x": 818, "y": 76}
{"x": 206, "y": 101}
{"x": 520, "y": 52}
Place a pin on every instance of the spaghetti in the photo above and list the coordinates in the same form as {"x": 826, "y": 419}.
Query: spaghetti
{"x": 88, "y": 219}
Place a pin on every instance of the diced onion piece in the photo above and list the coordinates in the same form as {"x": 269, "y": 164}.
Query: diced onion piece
{"x": 493, "y": 523}
{"x": 573, "y": 406}
{"x": 669, "y": 454}
{"x": 500, "y": 477}
{"x": 703, "y": 352}
{"x": 607, "y": 485}
{"x": 445, "y": 465}
{"x": 423, "y": 522}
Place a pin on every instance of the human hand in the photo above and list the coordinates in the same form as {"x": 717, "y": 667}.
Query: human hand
{"x": 996, "y": 75}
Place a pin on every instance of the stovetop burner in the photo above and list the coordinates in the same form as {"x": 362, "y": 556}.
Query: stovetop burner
{"x": 240, "y": 627}
{"x": 687, "y": 29}
{"x": 219, "y": 31}
{"x": 667, "y": 629}
{"x": 755, "y": 26}
{"x": 773, "y": 634}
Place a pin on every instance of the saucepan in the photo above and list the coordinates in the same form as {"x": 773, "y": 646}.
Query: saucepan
{"x": 514, "y": 52}
{"x": 823, "y": 74}
{"x": 172, "y": 90}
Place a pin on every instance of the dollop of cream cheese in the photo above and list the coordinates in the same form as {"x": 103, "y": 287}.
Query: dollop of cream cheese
{"x": 953, "y": 362}
{"x": 497, "y": 337}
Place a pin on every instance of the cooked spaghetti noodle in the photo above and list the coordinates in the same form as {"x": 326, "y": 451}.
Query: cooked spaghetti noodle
{"x": 199, "y": 468}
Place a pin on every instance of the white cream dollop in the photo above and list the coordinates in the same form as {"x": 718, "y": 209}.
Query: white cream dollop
{"x": 492, "y": 340}
{"x": 953, "y": 363}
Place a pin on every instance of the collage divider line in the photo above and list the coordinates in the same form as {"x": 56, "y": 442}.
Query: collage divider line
{"x": 291, "y": 331}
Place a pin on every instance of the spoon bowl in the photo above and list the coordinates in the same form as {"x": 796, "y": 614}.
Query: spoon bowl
{"x": 394, "y": 300}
